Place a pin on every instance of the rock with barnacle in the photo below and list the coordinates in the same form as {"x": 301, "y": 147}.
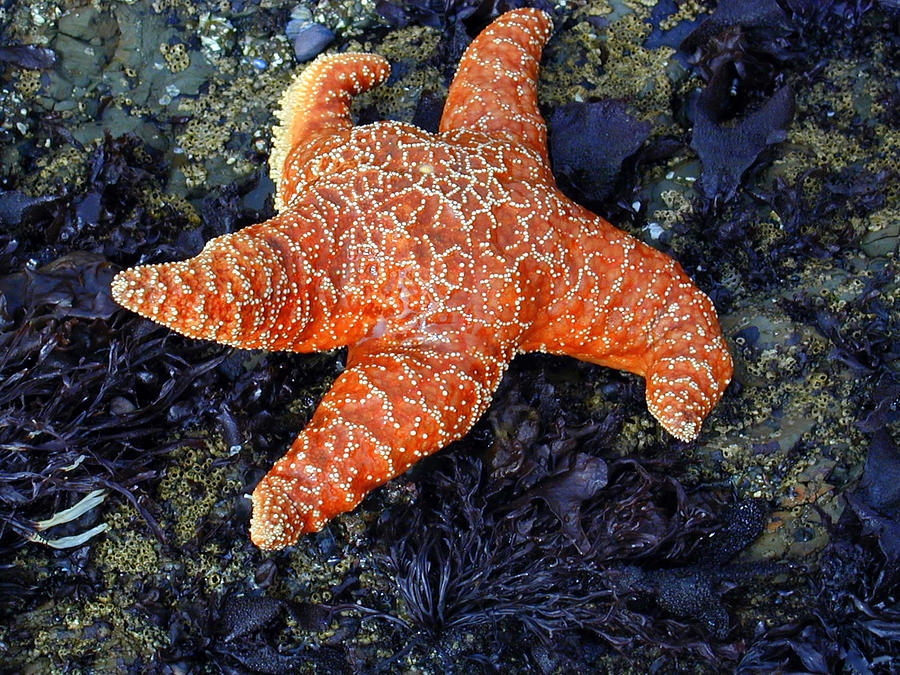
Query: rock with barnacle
{"x": 436, "y": 258}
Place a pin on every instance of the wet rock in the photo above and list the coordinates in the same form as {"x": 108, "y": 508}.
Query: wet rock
{"x": 309, "y": 40}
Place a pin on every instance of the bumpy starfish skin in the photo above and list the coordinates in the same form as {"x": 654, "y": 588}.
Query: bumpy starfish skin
{"x": 436, "y": 259}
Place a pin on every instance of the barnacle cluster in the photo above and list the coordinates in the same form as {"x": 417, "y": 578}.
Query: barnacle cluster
{"x": 202, "y": 137}
{"x": 65, "y": 166}
{"x": 844, "y": 125}
{"x": 236, "y": 106}
{"x": 796, "y": 437}
{"x": 572, "y": 66}
{"x": 313, "y": 574}
{"x": 160, "y": 205}
{"x": 194, "y": 484}
{"x": 843, "y": 118}
{"x": 101, "y": 632}
{"x": 176, "y": 56}
{"x": 685, "y": 11}
{"x": 585, "y": 62}
{"x": 677, "y": 206}
{"x": 349, "y": 18}
{"x": 397, "y": 99}
{"x": 129, "y": 548}
{"x": 193, "y": 490}
{"x": 416, "y": 43}
{"x": 28, "y": 83}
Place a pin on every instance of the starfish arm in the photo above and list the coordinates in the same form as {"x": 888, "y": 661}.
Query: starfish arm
{"x": 290, "y": 283}
{"x": 688, "y": 362}
{"x": 395, "y": 403}
{"x": 626, "y": 305}
{"x": 495, "y": 88}
{"x": 313, "y": 108}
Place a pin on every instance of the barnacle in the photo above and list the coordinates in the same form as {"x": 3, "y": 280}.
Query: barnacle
{"x": 176, "y": 55}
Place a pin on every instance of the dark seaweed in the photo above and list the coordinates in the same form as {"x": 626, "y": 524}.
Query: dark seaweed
{"x": 728, "y": 151}
{"x": 588, "y": 143}
{"x": 877, "y": 501}
{"x": 105, "y": 216}
{"x": 867, "y": 345}
{"x": 32, "y": 57}
{"x": 15, "y": 205}
{"x": 89, "y": 394}
{"x": 239, "y": 633}
{"x": 765, "y": 17}
{"x": 458, "y": 20}
{"x": 740, "y": 50}
{"x": 80, "y": 390}
{"x": 469, "y": 561}
{"x": 245, "y": 614}
{"x": 443, "y": 14}
{"x": 483, "y": 547}
{"x": 819, "y": 20}
{"x": 815, "y": 224}
{"x": 744, "y": 51}
{"x": 674, "y": 36}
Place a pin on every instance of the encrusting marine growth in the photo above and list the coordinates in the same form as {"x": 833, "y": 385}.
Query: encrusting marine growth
{"x": 436, "y": 258}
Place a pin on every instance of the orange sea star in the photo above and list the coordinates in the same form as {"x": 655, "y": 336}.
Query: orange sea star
{"x": 436, "y": 258}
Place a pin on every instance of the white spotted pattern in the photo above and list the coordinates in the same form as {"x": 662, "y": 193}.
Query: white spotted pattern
{"x": 436, "y": 259}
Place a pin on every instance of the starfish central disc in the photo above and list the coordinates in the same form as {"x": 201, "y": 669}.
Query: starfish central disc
{"x": 436, "y": 258}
